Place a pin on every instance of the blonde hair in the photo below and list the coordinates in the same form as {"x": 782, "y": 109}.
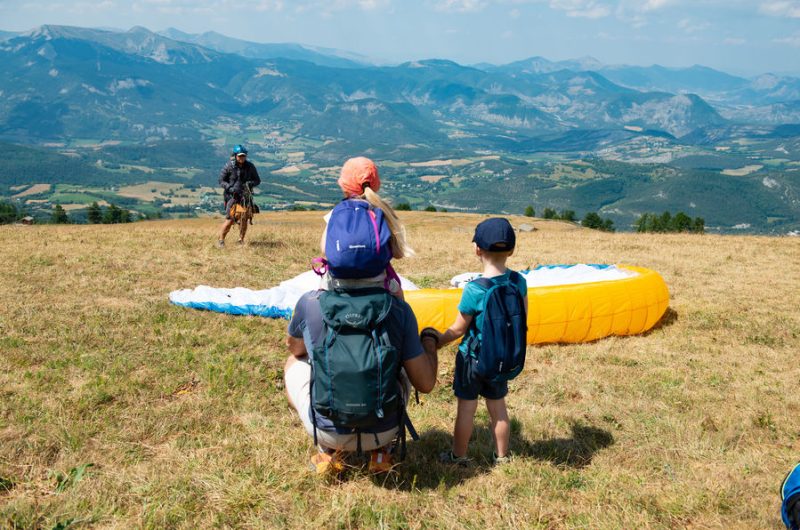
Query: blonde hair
{"x": 400, "y": 248}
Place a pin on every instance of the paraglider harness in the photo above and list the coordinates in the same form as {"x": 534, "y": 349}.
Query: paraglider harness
{"x": 244, "y": 208}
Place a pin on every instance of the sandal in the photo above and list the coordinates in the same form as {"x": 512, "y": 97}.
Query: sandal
{"x": 380, "y": 461}
{"x": 448, "y": 457}
{"x": 501, "y": 460}
{"x": 323, "y": 463}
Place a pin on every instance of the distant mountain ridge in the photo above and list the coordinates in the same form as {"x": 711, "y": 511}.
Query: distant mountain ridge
{"x": 758, "y": 100}
{"x": 143, "y": 83}
{"x": 224, "y": 44}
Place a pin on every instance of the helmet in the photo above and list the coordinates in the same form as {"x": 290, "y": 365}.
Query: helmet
{"x": 239, "y": 149}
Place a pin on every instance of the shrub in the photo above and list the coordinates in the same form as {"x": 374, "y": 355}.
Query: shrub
{"x": 8, "y": 213}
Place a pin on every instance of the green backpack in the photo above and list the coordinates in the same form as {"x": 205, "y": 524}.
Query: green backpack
{"x": 354, "y": 380}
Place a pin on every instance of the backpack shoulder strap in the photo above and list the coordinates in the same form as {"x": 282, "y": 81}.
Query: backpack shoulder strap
{"x": 484, "y": 282}
{"x": 513, "y": 279}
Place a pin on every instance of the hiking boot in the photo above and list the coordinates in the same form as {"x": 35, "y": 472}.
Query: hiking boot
{"x": 380, "y": 461}
{"x": 501, "y": 460}
{"x": 448, "y": 457}
{"x": 324, "y": 463}
{"x": 221, "y": 243}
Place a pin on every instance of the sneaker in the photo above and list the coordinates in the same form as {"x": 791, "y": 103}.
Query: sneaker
{"x": 380, "y": 461}
{"x": 324, "y": 463}
{"x": 501, "y": 460}
{"x": 448, "y": 457}
{"x": 221, "y": 243}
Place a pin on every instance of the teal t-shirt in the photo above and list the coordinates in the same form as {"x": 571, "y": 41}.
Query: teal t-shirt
{"x": 473, "y": 301}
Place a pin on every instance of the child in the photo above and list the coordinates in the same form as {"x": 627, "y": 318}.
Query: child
{"x": 494, "y": 242}
{"x": 359, "y": 180}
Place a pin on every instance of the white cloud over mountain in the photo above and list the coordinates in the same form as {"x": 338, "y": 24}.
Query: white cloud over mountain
{"x": 781, "y": 8}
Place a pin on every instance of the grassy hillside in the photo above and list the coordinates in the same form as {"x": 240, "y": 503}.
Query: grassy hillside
{"x": 182, "y": 414}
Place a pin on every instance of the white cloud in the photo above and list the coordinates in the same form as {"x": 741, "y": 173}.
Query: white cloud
{"x": 690, "y": 26}
{"x": 781, "y": 8}
{"x": 179, "y": 7}
{"x": 233, "y": 6}
{"x": 654, "y": 5}
{"x": 792, "y": 40}
{"x": 460, "y": 6}
{"x": 582, "y": 8}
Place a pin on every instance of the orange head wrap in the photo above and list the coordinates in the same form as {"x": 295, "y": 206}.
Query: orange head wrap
{"x": 358, "y": 173}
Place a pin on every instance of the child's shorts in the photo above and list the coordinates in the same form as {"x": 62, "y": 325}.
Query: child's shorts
{"x": 467, "y": 384}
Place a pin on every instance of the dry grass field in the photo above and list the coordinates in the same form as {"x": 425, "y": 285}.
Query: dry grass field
{"x": 119, "y": 410}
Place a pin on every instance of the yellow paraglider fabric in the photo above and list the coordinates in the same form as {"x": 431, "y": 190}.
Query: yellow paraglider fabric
{"x": 567, "y": 313}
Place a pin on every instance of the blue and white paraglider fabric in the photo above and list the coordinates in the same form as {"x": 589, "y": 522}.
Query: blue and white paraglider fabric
{"x": 279, "y": 302}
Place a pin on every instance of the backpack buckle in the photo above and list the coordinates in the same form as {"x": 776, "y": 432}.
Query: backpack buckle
{"x": 319, "y": 266}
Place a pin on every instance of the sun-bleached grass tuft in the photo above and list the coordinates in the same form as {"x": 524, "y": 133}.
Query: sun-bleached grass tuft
{"x": 182, "y": 413}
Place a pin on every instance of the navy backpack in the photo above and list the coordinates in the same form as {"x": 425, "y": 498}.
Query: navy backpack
{"x": 500, "y": 344}
{"x": 357, "y": 244}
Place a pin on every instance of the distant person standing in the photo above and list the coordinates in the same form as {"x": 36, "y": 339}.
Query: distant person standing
{"x": 238, "y": 178}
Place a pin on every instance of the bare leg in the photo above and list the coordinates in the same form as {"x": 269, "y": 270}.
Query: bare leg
{"x": 501, "y": 428}
{"x": 289, "y": 362}
{"x": 465, "y": 418}
{"x": 225, "y": 228}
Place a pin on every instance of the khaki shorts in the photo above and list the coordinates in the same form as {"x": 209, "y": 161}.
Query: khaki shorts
{"x": 298, "y": 382}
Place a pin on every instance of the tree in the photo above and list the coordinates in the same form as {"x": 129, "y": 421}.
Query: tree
{"x": 430, "y": 208}
{"x": 59, "y": 215}
{"x": 650, "y": 222}
{"x": 592, "y": 220}
{"x": 568, "y": 215}
{"x": 94, "y": 214}
{"x": 529, "y": 212}
{"x": 665, "y": 222}
{"x": 681, "y": 223}
{"x": 8, "y": 213}
{"x": 403, "y": 206}
{"x": 549, "y": 213}
{"x": 112, "y": 215}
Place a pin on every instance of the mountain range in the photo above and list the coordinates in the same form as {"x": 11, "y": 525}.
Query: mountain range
{"x": 70, "y": 86}
{"x": 136, "y": 83}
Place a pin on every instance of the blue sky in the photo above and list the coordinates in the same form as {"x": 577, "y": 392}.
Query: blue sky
{"x": 738, "y": 36}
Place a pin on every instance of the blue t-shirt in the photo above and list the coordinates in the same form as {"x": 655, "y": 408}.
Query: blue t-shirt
{"x": 401, "y": 325}
{"x": 473, "y": 301}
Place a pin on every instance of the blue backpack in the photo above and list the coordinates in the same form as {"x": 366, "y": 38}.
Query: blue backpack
{"x": 500, "y": 344}
{"x": 357, "y": 242}
{"x": 790, "y": 495}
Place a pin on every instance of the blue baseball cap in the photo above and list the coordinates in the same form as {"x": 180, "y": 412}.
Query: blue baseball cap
{"x": 495, "y": 235}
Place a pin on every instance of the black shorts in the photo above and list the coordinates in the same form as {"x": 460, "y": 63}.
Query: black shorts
{"x": 467, "y": 384}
